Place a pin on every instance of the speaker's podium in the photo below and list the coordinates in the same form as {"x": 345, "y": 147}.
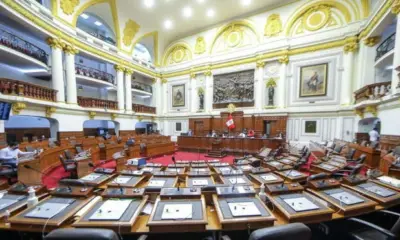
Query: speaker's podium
{"x": 239, "y": 208}
{"x": 179, "y": 210}
{"x": 117, "y": 209}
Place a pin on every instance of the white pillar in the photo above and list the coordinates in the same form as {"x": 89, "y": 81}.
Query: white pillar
{"x": 164, "y": 95}
{"x": 396, "y": 56}
{"x": 70, "y": 52}
{"x": 208, "y": 92}
{"x": 258, "y": 86}
{"x": 366, "y": 61}
{"x": 120, "y": 86}
{"x": 57, "y": 76}
{"x": 128, "y": 90}
{"x": 193, "y": 94}
{"x": 281, "y": 85}
{"x": 157, "y": 94}
{"x": 346, "y": 89}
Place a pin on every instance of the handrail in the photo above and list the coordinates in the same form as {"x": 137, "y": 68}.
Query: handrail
{"x": 14, "y": 87}
{"x": 142, "y": 86}
{"x": 94, "y": 73}
{"x": 386, "y": 46}
{"x": 372, "y": 91}
{"x": 97, "y": 103}
{"x": 139, "y": 108}
{"x": 12, "y": 41}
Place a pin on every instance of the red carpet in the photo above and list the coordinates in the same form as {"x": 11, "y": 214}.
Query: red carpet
{"x": 51, "y": 179}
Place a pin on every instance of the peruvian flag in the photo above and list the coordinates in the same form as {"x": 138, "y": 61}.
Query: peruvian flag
{"x": 230, "y": 123}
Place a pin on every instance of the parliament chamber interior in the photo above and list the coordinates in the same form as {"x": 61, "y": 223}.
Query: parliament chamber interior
{"x": 200, "y": 119}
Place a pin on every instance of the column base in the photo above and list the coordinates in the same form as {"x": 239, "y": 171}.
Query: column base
{"x": 270, "y": 107}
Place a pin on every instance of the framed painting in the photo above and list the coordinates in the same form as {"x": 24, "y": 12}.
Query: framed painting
{"x": 310, "y": 127}
{"x": 313, "y": 80}
{"x": 178, "y": 95}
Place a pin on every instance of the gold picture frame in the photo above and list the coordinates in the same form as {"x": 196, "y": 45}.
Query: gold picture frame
{"x": 313, "y": 80}
{"x": 178, "y": 95}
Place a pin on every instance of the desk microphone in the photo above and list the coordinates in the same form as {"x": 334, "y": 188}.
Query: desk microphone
{"x": 174, "y": 161}
{"x": 295, "y": 166}
{"x": 42, "y": 173}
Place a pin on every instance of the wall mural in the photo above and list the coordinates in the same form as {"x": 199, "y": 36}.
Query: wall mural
{"x": 313, "y": 80}
{"x": 235, "y": 88}
{"x": 178, "y": 95}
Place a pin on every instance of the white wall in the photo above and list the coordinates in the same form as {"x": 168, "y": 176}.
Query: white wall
{"x": 98, "y": 124}
{"x": 26, "y": 122}
{"x": 9, "y": 72}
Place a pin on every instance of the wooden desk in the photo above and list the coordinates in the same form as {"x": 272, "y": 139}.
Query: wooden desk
{"x": 156, "y": 149}
{"x": 373, "y": 156}
{"x": 133, "y": 151}
{"x": 107, "y": 152}
{"x": 82, "y": 167}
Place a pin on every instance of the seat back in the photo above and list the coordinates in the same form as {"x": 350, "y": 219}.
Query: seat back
{"x": 298, "y": 231}
{"x": 338, "y": 148}
{"x": 68, "y": 154}
{"x": 29, "y": 149}
{"x": 350, "y": 153}
{"x": 78, "y": 149}
{"x": 333, "y": 146}
{"x": 63, "y": 163}
{"x": 361, "y": 159}
{"x": 81, "y": 234}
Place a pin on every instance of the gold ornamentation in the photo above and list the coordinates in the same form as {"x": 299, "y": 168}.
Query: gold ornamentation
{"x": 260, "y": 64}
{"x": 128, "y": 71}
{"x": 273, "y": 26}
{"x": 376, "y": 19}
{"x": 68, "y": 6}
{"x": 54, "y": 42}
{"x": 284, "y": 59}
{"x": 200, "y": 90}
{"x": 178, "y": 54}
{"x": 372, "y": 109}
{"x": 200, "y": 46}
{"x": 92, "y": 115}
{"x": 271, "y": 83}
{"x": 233, "y": 36}
{"x": 130, "y": 30}
{"x": 396, "y": 7}
{"x": 192, "y": 75}
{"x": 50, "y": 111}
{"x": 359, "y": 112}
{"x": 18, "y": 107}
{"x": 231, "y": 108}
{"x": 114, "y": 116}
{"x": 164, "y": 80}
{"x": 140, "y": 118}
{"x": 372, "y": 41}
{"x": 70, "y": 49}
{"x": 351, "y": 44}
{"x": 207, "y": 73}
{"x": 119, "y": 68}
{"x": 316, "y": 17}
{"x": 154, "y": 80}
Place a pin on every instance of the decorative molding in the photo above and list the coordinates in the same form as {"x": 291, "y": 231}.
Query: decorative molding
{"x": 200, "y": 46}
{"x": 54, "y": 42}
{"x": 351, "y": 44}
{"x": 376, "y": 19}
{"x": 92, "y": 114}
{"x": 164, "y": 80}
{"x": 50, "y": 111}
{"x": 119, "y": 68}
{"x": 177, "y": 53}
{"x": 372, "y": 41}
{"x": 396, "y": 7}
{"x": 231, "y": 108}
{"x": 17, "y": 107}
{"x": 316, "y": 17}
{"x": 68, "y": 6}
{"x": 372, "y": 109}
{"x": 359, "y": 112}
{"x": 130, "y": 30}
{"x": 70, "y": 49}
{"x": 271, "y": 82}
{"x": 260, "y": 64}
{"x": 284, "y": 59}
{"x": 192, "y": 75}
{"x": 273, "y": 25}
{"x": 113, "y": 116}
{"x": 140, "y": 118}
{"x": 128, "y": 71}
{"x": 208, "y": 73}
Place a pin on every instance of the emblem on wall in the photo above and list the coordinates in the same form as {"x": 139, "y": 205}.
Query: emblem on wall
{"x": 273, "y": 26}
{"x": 200, "y": 46}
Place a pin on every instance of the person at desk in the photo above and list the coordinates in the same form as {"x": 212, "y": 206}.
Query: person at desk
{"x": 250, "y": 133}
{"x": 190, "y": 133}
{"x": 374, "y": 135}
{"x": 243, "y": 134}
{"x": 214, "y": 133}
{"x": 9, "y": 155}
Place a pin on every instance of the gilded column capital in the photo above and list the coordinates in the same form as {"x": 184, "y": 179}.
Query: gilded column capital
{"x": 18, "y": 107}
{"x": 154, "y": 80}
{"x": 164, "y": 80}
{"x": 70, "y": 49}
{"x": 50, "y": 111}
{"x": 396, "y": 7}
{"x": 119, "y": 68}
{"x": 372, "y": 109}
{"x": 192, "y": 75}
{"x": 351, "y": 44}
{"x": 359, "y": 112}
{"x": 284, "y": 59}
{"x": 128, "y": 71}
{"x": 113, "y": 116}
{"x": 54, "y": 42}
{"x": 260, "y": 64}
{"x": 92, "y": 114}
{"x": 207, "y": 73}
{"x": 372, "y": 41}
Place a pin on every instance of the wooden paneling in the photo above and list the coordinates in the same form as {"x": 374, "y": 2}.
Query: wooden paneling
{"x": 93, "y": 131}
{"x": 19, "y": 133}
{"x": 76, "y": 134}
{"x": 388, "y": 142}
{"x": 124, "y": 133}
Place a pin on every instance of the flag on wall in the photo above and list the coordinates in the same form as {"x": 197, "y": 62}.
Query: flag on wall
{"x": 230, "y": 123}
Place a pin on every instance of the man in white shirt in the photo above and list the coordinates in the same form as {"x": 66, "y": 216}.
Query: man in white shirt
{"x": 9, "y": 155}
{"x": 374, "y": 135}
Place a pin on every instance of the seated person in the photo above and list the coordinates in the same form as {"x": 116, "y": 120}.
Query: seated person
{"x": 265, "y": 136}
{"x": 242, "y": 134}
{"x": 130, "y": 141}
{"x": 214, "y": 134}
{"x": 225, "y": 134}
{"x": 190, "y": 133}
{"x": 250, "y": 133}
{"x": 9, "y": 155}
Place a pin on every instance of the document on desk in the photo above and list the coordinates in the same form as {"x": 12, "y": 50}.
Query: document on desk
{"x": 243, "y": 209}
{"x": 200, "y": 182}
{"x": 300, "y": 204}
{"x": 238, "y": 180}
{"x": 122, "y": 179}
{"x": 327, "y": 166}
{"x": 389, "y": 180}
{"x": 5, "y": 203}
{"x": 156, "y": 183}
{"x": 91, "y": 177}
{"x": 177, "y": 211}
{"x": 383, "y": 192}
{"x": 269, "y": 177}
{"x": 347, "y": 198}
{"x": 293, "y": 173}
{"x": 111, "y": 210}
{"x": 47, "y": 210}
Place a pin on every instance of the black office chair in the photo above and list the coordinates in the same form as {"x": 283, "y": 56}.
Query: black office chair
{"x": 359, "y": 160}
{"x": 68, "y": 167}
{"x": 350, "y": 154}
{"x": 298, "y": 231}
{"x": 8, "y": 172}
{"x": 81, "y": 234}
{"x": 68, "y": 155}
{"x": 370, "y": 231}
{"x": 78, "y": 149}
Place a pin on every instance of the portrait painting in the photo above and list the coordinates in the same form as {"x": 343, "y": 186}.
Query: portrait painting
{"x": 178, "y": 95}
{"x": 310, "y": 127}
{"x": 313, "y": 80}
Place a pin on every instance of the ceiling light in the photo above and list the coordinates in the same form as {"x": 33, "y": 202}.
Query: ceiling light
{"x": 210, "y": 13}
{"x": 245, "y": 2}
{"x": 168, "y": 24}
{"x": 187, "y": 12}
{"x": 98, "y": 23}
{"x": 84, "y": 16}
{"x": 149, "y": 3}
{"x": 200, "y": 1}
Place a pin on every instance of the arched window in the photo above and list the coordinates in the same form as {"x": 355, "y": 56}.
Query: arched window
{"x": 142, "y": 53}
{"x": 96, "y": 27}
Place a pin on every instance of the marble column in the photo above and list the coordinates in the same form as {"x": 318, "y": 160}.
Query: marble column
{"x": 366, "y": 61}
{"x": 57, "y": 76}
{"x": 128, "y": 90}
{"x": 70, "y": 52}
{"x": 120, "y": 86}
{"x": 164, "y": 95}
{"x": 157, "y": 95}
{"x": 396, "y": 56}
{"x": 208, "y": 91}
{"x": 259, "y": 85}
{"x": 194, "y": 97}
{"x": 281, "y": 84}
{"x": 346, "y": 89}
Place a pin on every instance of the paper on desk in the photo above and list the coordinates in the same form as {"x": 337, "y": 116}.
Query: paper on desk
{"x": 147, "y": 209}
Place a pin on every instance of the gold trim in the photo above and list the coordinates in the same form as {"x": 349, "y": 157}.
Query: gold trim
{"x": 70, "y": 49}
{"x": 68, "y": 6}
{"x": 366, "y": 8}
{"x": 208, "y": 73}
{"x": 372, "y": 41}
{"x": 192, "y": 75}
{"x": 359, "y": 112}
{"x": 284, "y": 59}
{"x": 92, "y": 114}
{"x": 50, "y": 111}
{"x": 396, "y": 7}
{"x": 119, "y": 68}
{"x": 372, "y": 109}
{"x": 375, "y": 19}
{"x": 54, "y": 42}
{"x": 17, "y": 107}
{"x": 351, "y": 44}
{"x": 260, "y": 64}
{"x": 128, "y": 71}
{"x": 174, "y": 46}
{"x": 113, "y": 116}
{"x": 155, "y": 47}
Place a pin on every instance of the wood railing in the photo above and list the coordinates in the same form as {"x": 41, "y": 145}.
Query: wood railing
{"x": 143, "y": 109}
{"x": 372, "y": 91}
{"x": 97, "y": 103}
{"x": 13, "y": 87}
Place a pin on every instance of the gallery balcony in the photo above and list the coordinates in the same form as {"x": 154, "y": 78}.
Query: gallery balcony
{"x": 24, "y": 89}
{"x": 18, "y": 52}
{"x": 93, "y": 77}
{"x": 142, "y": 88}
{"x": 138, "y": 108}
{"x": 97, "y": 103}
{"x": 385, "y": 52}
{"x": 372, "y": 92}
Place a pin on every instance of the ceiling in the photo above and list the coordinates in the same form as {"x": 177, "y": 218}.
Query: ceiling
{"x": 152, "y": 18}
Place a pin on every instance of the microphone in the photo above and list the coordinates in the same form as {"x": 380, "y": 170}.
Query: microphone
{"x": 295, "y": 166}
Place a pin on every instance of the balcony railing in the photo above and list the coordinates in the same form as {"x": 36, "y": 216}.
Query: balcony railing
{"x": 97, "y": 103}
{"x": 142, "y": 87}
{"x": 143, "y": 109}
{"x": 372, "y": 91}
{"x": 13, "y": 87}
{"x": 10, "y": 40}
{"x": 386, "y": 46}
{"x": 94, "y": 73}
